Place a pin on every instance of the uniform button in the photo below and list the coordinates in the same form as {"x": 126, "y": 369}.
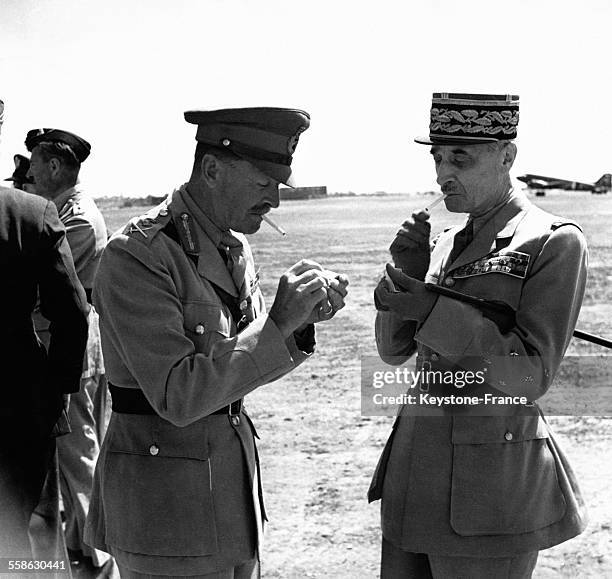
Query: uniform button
{"x": 163, "y": 212}
{"x": 435, "y": 357}
{"x": 226, "y": 142}
{"x": 235, "y": 420}
{"x": 154, "y": 449}
{"x": 449, "y": 282}
{"x": 199, "y": 329}
{"x": 508, "y": 436}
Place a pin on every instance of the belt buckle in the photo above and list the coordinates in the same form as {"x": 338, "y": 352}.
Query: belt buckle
{"x": 234, "y": 410}
{"x": 425, "y": 367}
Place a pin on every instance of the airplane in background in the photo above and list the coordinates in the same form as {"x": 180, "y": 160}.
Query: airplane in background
{"x": 539, "y": 184}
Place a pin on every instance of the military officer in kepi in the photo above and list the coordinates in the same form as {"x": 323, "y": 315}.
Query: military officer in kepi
{"x": 466, "y": 495}
{"x": 185, "y": 337}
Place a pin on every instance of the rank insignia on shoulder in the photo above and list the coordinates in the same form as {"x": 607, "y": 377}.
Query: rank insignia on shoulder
{"x": 139, "y": 225}
{"x": 561, "y": 222}
{"x": 512, "y": 263}
{"x": 71, "y": 208}
{"x": 77, "y": 209}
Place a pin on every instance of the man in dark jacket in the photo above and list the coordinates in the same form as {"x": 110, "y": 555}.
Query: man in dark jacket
{"x": 36, "y": 384}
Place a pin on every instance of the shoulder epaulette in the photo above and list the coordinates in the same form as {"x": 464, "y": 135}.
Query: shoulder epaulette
{"x": 560, "y": 222}
{"x": 76, "y": 208}
{"x": 146, "y": 227}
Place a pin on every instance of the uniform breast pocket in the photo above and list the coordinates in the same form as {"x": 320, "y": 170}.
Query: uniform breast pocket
{"x": 504, "y": 477}
{"x": 205, "y": 323}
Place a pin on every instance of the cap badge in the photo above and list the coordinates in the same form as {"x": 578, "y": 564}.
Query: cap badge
{"x": 293, "y": 141}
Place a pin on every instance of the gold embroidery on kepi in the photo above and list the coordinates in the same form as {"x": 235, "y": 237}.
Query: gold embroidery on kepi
{"x": 512, "y": 263}
{"x": 458, "y": 118}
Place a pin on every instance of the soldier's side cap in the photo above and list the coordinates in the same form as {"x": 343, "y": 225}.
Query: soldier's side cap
{"x": 264, "y": 136}
{"x": 80, "y": 147}
{"x": 471, "y": 119}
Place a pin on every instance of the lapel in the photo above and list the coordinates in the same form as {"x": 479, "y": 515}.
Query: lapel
{"x": 440, "y": 253}
{"x": 501, "y": 225}
{"x": 210, "y": 263}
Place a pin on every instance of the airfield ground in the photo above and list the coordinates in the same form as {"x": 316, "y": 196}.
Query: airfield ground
{"x": 318, "y": 451}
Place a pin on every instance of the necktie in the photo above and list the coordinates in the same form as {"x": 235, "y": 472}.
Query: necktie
{"x": 236, "y": 263}
{"x": 462, "y": 239}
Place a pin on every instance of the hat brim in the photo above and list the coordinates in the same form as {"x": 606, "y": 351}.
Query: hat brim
{"x": 453, "y": 140}
{"x": 280, "y": 173}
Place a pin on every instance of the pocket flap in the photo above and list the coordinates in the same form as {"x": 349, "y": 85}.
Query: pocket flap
{"x": 201, "y": 318}
{"x": 152, "y": 436}
{"x": 501, "y": 429}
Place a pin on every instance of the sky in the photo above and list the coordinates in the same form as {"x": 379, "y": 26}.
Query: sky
{"x": 120, "y": 73}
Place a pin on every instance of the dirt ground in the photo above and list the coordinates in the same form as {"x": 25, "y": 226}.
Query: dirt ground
{"x": 318, "y": 451}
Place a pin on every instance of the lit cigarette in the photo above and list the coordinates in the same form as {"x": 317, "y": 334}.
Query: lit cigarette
{"x": 273, "y": 225}
{"x": 436, "y": 202}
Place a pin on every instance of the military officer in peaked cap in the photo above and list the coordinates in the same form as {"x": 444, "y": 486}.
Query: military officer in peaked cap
{"x": 20, "y": 177}
{"x": 54, "y": 169}
{"x": 466, "y": 495}
{"x": 185, "y": 338}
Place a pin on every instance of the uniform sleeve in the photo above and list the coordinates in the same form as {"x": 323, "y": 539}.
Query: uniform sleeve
{"x": 394, "y": 338}
{"x": 82, "y": 241}
{"x": 145, "y": 332}
{"x": 63, "y": 303}
{"x": 522, "y": 362}
{"x": 304, "y": 341}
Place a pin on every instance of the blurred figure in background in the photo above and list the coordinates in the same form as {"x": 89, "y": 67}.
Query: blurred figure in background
{"x": 46, "y": 531}
{"x": 54, "y": 169}
{"x": 36, "y": 383}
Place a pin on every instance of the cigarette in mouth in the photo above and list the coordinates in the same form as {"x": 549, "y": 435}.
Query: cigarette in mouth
{"x": 436, "y": 202}
{"x": 273, "y": 225}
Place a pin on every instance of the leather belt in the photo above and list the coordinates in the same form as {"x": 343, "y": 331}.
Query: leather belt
{"x": 133, "y": 401}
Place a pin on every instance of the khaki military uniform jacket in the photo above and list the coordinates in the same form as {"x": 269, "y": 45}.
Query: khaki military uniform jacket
{"x": 86, "y": 234}
{"x": 176, "y": 492}
{"x": 488, "y": 486}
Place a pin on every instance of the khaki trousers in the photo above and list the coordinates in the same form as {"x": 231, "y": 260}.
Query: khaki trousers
{"x": 247, "y": 570}
{"x": 399, "y": 564}
{"x": 78, "y": 453}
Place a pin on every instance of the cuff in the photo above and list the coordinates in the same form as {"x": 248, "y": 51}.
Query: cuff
{"x": 305, "y": 339}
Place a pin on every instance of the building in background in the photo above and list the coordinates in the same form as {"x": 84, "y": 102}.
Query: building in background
{"x": 288, "y": 193}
